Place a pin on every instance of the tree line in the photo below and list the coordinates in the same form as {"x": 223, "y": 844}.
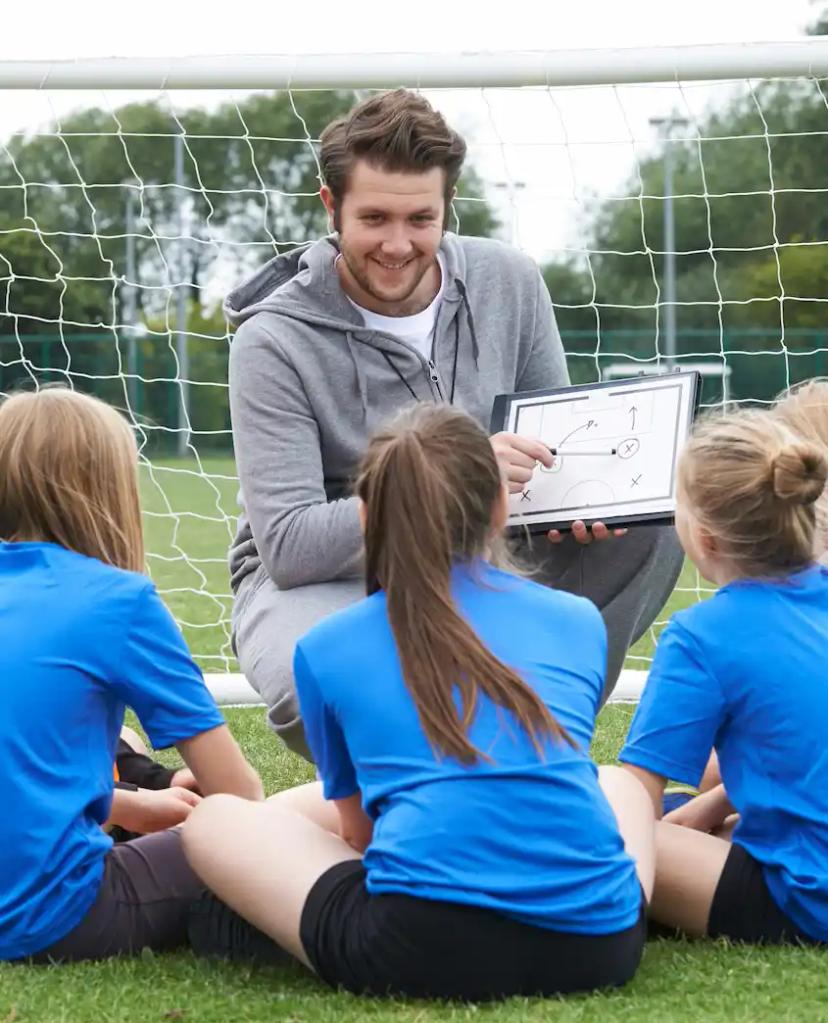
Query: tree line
{"x": 751, "y": 228}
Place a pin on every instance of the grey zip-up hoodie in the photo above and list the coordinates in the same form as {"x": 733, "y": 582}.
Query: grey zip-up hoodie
{"x": 309, "y": 384}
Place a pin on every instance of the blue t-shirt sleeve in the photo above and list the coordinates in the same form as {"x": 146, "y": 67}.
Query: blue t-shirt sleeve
{"x": 324, "y": 734}
{"x": 681, "y": 710}
{"x": 155, "y": 675}
{"x": 597, "y": 673}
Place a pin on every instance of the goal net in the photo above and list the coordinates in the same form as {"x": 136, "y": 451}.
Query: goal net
{"x": 675, "y": 202}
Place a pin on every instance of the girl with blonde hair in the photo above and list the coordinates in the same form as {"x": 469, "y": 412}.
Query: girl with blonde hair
{"x": 83, "y": 633}
{"x": 744, "y": 672}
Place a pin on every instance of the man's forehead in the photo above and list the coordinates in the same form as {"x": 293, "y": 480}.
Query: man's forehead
{"x": 369, "y": 185}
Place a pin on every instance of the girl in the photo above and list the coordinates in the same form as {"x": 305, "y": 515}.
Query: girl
{"x": 467, "y": 850}
{"x": 744, "y": 672}
{"x": 804, "y": 408}
{"x": 82, "y": 634}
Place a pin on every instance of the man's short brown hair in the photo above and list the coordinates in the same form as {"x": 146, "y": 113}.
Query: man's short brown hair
{"x": 396, "y": 131}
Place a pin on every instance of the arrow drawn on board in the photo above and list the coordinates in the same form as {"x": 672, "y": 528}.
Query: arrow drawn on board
{"x": 633, "y": 410}
{"x": 583, "y": 426}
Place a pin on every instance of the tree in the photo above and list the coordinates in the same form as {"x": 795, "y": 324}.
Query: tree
{"x": 819, "y": 27}
{"x": 751, "y": 230}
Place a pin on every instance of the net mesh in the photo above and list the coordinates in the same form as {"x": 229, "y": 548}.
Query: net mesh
{"x": 681, "y": 224}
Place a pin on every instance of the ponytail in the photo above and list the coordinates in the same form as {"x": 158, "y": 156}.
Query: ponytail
{"x": 429, "y": 485}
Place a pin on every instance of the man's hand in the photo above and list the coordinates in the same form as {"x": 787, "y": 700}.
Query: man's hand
{"x": 146, "y": 811}
{"x": 582, "y": 534}
{"x": 518, "y": 457}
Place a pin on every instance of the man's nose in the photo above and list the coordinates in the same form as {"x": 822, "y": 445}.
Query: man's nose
{"x": 396, "y": 242}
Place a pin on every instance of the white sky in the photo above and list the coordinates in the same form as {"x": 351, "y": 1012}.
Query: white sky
{"x": 95, "y": 28}
{"x": 503, "y": 129}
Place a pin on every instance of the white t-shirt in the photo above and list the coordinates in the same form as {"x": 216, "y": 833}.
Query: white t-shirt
{"x": 416, "y": 330}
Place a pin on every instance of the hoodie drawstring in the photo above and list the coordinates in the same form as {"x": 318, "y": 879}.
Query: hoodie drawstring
{"x": 470, "y": 318}
{"x": 475, "y": 343}
{"x": 360, "y": 372}
{"x": 362, "y": 386}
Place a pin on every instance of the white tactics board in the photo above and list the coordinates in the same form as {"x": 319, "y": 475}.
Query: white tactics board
{"x": 617, "y": 446}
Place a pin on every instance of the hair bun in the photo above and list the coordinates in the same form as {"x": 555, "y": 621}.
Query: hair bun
{"x": 799, "y": 473}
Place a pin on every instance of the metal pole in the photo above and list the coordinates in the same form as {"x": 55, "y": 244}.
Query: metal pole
{"x": 130, "y": 303}
{"x": 665, "y": 127}
{"x": 181, "y": 307}
{"x": 669, "y": 258}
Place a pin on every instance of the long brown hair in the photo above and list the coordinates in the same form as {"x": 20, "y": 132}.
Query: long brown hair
{"x": 430, "y": 483}
{"x": 68, "y": 475}
{"x": 752, "y": 484}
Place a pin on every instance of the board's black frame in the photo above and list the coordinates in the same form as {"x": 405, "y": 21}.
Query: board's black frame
{"x": 501, "y": 408}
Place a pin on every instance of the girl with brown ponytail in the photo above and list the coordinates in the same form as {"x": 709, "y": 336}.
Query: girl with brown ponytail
{"x": 461, "y": 844}
{"x": 745, "y": 673}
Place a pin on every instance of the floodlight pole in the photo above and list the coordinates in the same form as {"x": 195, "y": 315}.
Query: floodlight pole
{"x": 665, "y": 127}
{"x": 181, "y": 305}
{"x": 129, "y": 305}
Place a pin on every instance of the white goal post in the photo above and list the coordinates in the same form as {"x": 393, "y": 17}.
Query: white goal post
{"x": 671, "y": 195}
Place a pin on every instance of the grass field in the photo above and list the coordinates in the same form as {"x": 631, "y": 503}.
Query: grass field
{"x": 190, "y": 516}
{"x": 678, "y": 982}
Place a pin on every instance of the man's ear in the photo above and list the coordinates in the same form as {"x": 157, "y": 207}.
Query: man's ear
{"x": 326, "y": 195}
{"x": 447, "y": 210}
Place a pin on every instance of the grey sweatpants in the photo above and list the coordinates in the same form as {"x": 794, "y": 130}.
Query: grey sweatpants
{"x": 629, "y": 579}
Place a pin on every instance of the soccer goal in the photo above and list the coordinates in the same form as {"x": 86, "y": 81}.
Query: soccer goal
{"x": 674, "y": 199}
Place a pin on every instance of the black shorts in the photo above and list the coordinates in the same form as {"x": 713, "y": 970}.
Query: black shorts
{"x": 744, "y": 910}
{"x": 143, "y": 902}
{"x": 397, "y": 944}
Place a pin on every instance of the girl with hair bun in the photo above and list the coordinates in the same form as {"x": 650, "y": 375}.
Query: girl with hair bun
{"x": 744, "y": 673}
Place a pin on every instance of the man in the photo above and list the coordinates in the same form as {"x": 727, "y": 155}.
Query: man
{"x": 337, "y": 336}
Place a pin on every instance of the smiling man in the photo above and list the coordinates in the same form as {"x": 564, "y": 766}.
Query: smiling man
{"x": 337, "y": 336}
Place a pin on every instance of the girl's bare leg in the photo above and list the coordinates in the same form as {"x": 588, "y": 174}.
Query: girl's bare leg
{"x": 633, "y": 811}
{"x": 262, "y": 860}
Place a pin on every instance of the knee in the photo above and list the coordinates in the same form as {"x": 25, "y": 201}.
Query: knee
{"x": 623, "y": 788}
{"x": 611, "y": 777}
{"x": 210, "y": 818}
{"x": 615, "y": 780}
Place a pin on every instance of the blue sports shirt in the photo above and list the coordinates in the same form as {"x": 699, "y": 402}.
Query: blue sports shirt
{"x": 79, "y": 641}
{"x": 534, "y": 839}
{"x": 744, "y": 672}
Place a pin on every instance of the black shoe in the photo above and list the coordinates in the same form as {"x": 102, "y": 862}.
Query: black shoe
{"x": 216, "y": 931}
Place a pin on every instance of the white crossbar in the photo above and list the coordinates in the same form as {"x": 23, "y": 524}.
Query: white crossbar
{"x": 802, "y": 57}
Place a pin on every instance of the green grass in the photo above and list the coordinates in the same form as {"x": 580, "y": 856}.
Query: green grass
{"x": 189, "y": 521}
{"x": 190, "y": 518}
{"x": 678, "y": 982}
